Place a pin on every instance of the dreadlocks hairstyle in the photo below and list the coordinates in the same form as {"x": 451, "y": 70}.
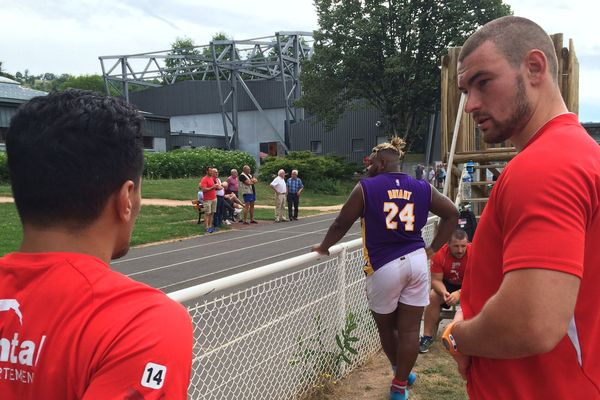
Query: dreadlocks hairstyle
{"x": 395, "y": 145}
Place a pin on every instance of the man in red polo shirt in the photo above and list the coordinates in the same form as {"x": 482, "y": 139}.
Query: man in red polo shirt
{"x": 530, "y": 294}
{"x": 209, "y": 187}
{"x": 448, "y": 267}
{"x": 70, "y": 327}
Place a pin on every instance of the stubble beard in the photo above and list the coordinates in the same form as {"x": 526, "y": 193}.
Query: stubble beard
{"x": 504, "y": 130}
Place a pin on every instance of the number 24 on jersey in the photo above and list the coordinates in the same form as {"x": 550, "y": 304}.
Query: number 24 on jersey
{"x": 406, "y": 216}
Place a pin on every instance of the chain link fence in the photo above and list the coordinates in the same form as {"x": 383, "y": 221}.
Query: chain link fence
{"x": 281, "y": 331}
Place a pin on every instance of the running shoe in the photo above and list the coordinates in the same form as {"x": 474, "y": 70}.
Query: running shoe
{"x": 425, "y": 343}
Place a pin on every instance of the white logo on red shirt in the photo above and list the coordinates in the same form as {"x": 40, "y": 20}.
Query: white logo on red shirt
{"x": 11, "y": 304}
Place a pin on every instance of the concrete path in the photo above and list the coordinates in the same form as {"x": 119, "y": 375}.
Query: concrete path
{"x": 175, "y": 203}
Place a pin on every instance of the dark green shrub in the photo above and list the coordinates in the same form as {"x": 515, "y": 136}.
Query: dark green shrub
{"x": 321, "y": 173}
{"x": 186, "y": 163}
{"x": 4, "y": 176}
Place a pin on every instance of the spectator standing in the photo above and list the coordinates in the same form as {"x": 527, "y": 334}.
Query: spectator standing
{"x": 70, "y": 327}
{"x": 233, "y": 182}
{"x": 440, "y": 174}
{"x": 209, "y": 189}
{"x": 394, "y": 208}
{"x": 530, "y": 292}
{"x": 294, "y": 187}
{"x": 419, "y": 170}
{"x": 247, "y": 182}
{"x": 220, "y": 192}
{"x": 448, "y": 267}
{"x": 279, "y": 186}
{"x": 431, "y": 175}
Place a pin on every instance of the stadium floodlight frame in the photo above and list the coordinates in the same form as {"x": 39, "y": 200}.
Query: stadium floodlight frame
{"x": 231, "y": 63}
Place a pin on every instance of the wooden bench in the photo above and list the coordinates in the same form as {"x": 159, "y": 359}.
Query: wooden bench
{"x": 200, "y": 207}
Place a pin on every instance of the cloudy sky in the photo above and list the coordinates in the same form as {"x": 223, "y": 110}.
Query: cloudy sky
{"x": 67, "y": 36}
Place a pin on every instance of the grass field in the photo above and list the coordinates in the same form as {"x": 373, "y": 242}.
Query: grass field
{"x": 187, "y": 188}
{"x": 5, "y": 190}
{"x": 155, "y": 224}
{"x": 10, "y": 230}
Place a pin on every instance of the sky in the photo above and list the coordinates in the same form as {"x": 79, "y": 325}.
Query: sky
{"x": 67, "y": 36}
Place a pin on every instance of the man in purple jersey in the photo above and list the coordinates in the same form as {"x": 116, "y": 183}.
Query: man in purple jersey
{"x": 393, "y": 208}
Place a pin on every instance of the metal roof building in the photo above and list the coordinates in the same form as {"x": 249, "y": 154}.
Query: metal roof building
{"x": 12, "y": 95}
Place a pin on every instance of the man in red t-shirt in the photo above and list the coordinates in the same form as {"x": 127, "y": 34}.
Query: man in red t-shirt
{"x": 70, "y": 327}
{"x": 447, "y": 270}
{"x": 209, "y": 186}
{"x": 530, "y": 292}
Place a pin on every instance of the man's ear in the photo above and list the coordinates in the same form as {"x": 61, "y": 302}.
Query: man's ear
{"x": 125, "y": 201}
{"x": 536, "y": 64}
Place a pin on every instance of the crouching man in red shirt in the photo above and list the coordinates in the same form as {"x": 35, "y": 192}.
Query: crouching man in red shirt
{"x": 447, "y": 270}
{"x": 70, "y": 327}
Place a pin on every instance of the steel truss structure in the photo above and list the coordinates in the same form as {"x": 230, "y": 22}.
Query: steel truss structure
{"x": 230, "y": 62}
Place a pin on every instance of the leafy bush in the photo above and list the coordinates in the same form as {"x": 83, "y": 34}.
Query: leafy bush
{"x": 4, "y": 176}
{"x": 321, "y": 173}
{"x": 186, "y": 163}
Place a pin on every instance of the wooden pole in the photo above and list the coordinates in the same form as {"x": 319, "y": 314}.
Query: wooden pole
{"x": 484, "y": 157}
{"x": 461, "y": 106}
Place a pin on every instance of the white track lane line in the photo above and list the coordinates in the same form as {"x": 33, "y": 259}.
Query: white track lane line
{"x": 243, "y": 265}
{"x": 234, "y": 268}
{"x": 220, "y": 254}
{"x": 211, "y": 243}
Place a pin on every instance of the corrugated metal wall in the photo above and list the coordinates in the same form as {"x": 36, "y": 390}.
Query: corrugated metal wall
{"x": 354, "y": 125}
{"x": 6, "y": 113}
{"x": 186, "y": 140}
{"x": 202, "y": 97}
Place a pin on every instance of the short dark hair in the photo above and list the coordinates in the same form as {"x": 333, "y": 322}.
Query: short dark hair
{"x": 68, "y": 152}
{"x": 459, "y": 234}
{"x": 514, "y": 37}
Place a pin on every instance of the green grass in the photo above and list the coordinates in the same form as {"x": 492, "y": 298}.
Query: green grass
{"x": 5, "y": 190}
{"x": 173, "y": 189}
{"x": 10, "y": 230}
{"x": 438, "y": 377}
{"x": 154, "y": 224}
{"x": 187, "y": 189}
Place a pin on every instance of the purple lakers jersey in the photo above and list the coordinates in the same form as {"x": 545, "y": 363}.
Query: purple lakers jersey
{"x": 396, "y": 209}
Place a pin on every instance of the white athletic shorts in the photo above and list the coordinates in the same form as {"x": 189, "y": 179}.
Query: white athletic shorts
{"x": 404, "y": 280}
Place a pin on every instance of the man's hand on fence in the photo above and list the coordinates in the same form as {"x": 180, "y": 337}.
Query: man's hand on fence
{"x": 318, "y": 249}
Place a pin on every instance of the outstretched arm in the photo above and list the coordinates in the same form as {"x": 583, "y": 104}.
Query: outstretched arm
{"x": 352, "y": 210}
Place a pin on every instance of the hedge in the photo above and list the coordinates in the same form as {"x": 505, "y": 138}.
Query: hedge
{"x": 186, "y": 163}
{"x": 4, "y": 176}
{"x": 321, "y": 173}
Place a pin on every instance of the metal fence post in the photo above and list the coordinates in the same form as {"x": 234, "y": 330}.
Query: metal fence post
{"x": 341, "y": 261}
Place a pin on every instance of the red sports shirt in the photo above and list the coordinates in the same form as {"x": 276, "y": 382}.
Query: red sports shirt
{"x": 453, "y": 268}
{"x": 71, "y": 328}
{"x": 543, "y": 212}
{"x": 207, "y": 182}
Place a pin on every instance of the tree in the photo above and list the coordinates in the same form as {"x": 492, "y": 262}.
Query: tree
{"x": 387, "y": 54}
{"x": 181, "y": 67}
{"x": 6, "y": 74}
{"x": 207, "y": 52}
{"x": 86, "y": 82}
